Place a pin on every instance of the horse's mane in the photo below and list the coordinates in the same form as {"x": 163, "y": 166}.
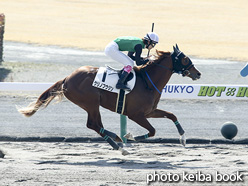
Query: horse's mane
{"x": 160, "y": 55}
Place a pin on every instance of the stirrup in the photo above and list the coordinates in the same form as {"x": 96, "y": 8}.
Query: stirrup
{"x": 122, "y": 86}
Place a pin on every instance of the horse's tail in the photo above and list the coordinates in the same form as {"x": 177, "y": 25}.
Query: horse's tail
{"x": 45, "y": 98}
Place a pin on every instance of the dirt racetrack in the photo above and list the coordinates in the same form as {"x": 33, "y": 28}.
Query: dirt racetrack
{"x": 95, "y": 164}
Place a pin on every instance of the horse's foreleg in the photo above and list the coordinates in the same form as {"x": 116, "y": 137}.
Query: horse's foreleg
{"x": 164, "y": 114}
{"x": 142, "y": 121}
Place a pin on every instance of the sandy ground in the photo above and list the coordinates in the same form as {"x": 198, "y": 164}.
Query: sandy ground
{"x": 67, "y": 120}
{"x": 207, "y": 29}
{"x": 96, "y": 164}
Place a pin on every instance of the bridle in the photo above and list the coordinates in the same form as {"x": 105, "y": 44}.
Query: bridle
{"x": 178, "y": 66}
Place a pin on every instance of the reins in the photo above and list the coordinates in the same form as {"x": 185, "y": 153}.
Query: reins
{"x": 162, "y": 66}
{"x": 152, "y": 82}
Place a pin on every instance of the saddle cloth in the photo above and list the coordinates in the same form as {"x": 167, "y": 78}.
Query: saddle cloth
{"x": 107, "y": 77}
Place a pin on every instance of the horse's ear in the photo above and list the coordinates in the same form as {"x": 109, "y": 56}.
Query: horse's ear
{"x": 175, "y": 50}
{"x": 177, "y": 47}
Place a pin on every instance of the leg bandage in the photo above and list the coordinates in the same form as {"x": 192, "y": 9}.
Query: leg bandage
{"x": 179, "y": 128}
{"x": 111, "y": 142}
{"x": 108, "y": 133}
{"x": 139, "y": 138}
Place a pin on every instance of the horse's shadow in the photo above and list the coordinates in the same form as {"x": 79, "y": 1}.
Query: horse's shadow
{"x": 125, "y": 164}
{"x": 122, "y": 163}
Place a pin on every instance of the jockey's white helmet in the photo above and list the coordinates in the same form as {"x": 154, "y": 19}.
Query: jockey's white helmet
{"x": 152, "y": 36}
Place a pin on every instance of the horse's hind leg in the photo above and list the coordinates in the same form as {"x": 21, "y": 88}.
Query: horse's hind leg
{"x": 110, "y": 134}
{"x": 94, "y": 122}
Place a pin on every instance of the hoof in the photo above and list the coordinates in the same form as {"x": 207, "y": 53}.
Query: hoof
{"x": 129, "y": 136}
{"x": 183, "y": 140}
{"x": 123, "y": 151}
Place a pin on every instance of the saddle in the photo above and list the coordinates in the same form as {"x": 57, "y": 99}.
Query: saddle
{"x": 107, "y": 77}
{"x": 119, "y": 72}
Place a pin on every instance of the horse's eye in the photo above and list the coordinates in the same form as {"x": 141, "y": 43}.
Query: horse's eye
{"x": 185, "y": 61}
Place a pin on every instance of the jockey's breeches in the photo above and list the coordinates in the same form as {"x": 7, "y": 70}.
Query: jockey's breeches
{"x": 112, "y": 51}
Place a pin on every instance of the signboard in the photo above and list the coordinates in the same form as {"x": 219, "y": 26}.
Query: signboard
{"x": 201, "y": 91}
{"x": 170, "y": 91}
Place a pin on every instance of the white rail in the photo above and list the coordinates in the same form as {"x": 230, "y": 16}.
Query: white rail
{"x": 171, "y": 91}
{"x": 24, "y": 86}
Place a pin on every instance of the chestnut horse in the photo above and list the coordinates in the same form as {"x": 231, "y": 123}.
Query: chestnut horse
{"x": 140, "y": 103}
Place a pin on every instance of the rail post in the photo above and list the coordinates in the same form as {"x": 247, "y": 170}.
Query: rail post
{"x": 123, "y": 131}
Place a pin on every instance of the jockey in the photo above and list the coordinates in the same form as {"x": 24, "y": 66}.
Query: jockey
{"x": 133, "y": 45}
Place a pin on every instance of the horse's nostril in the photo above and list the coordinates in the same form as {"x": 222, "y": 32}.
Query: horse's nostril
{"x": 199, "y": 74}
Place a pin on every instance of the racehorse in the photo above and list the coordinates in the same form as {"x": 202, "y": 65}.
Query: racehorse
{"x": 140, "y": 103}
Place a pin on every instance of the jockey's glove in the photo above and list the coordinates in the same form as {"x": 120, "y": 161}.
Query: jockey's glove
{"x": 142, "y": 62}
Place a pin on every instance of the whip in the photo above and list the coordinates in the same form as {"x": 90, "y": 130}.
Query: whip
{"x": 152, "y": 31}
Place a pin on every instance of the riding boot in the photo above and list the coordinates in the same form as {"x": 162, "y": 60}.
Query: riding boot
{"x": 120, "y": 84}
